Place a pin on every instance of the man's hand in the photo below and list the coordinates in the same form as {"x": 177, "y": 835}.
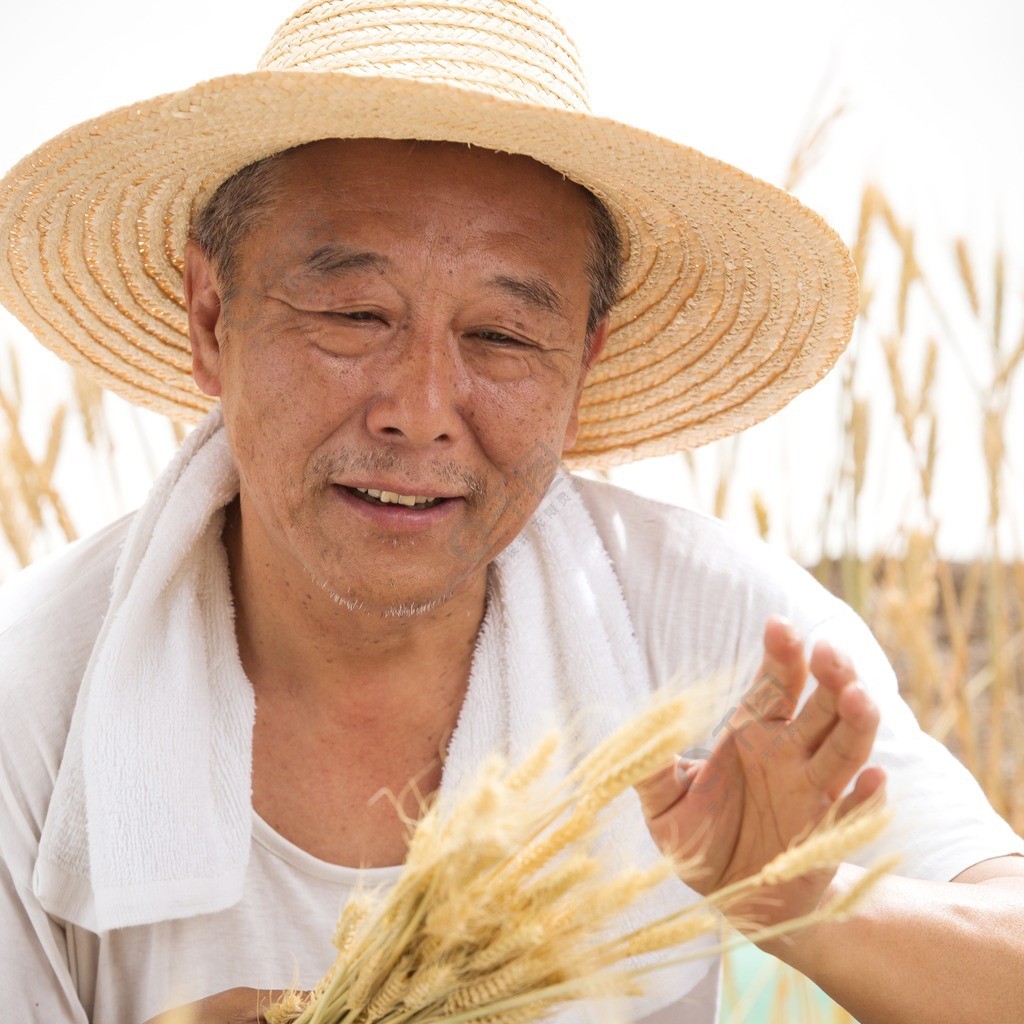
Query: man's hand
{"x": 233, "y": 1006}
{"x": 770, "y": 778}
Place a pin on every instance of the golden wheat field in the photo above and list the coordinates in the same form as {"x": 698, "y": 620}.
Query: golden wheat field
{"x": 954, "y": 628}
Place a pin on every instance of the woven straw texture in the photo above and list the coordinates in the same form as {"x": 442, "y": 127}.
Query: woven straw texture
{"x": 737, "y": 297}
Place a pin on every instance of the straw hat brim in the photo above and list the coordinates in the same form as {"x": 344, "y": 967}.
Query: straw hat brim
{"x": 737, "y": 296}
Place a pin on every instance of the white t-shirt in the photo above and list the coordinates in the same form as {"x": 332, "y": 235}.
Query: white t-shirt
{"x": 698, "y": 595}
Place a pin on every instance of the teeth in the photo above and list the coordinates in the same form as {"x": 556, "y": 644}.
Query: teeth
{"x": 392, "y": 498}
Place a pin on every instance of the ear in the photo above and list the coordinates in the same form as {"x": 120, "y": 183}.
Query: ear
{"x": 596, "y": 347}
{"x": 202, "y": 302}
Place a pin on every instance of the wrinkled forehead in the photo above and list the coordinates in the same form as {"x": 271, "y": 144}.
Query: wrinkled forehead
{"x": 432, "y": 198}
{"x": 428, "y": 169}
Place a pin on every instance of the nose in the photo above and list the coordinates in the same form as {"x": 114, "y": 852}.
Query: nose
{"x": 418, "y": 395}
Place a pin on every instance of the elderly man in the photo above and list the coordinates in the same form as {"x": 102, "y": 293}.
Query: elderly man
{"x": 366, "y": 569}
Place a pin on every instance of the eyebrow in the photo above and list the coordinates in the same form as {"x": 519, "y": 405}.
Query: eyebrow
{"x": 533, "y": 290}
{"x": 335, "y": 258}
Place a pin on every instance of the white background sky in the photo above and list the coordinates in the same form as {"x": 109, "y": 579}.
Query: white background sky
{"x": 935, "y": 113}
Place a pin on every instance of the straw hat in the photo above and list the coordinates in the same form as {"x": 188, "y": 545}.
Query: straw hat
{"x": 737, "y": 297}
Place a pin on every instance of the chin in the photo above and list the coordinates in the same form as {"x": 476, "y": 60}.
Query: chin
{"x": 386, "y": 606}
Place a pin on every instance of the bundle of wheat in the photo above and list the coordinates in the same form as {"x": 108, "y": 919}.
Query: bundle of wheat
{"x": 506, "y": 906}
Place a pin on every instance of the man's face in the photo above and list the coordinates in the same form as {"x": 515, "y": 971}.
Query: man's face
{"x": 407, "y": 319}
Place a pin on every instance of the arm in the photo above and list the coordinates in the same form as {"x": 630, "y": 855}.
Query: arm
{"x": 38, "y": 980}
{"x": 928, "y": 952}
{"x": 35, "y": 978}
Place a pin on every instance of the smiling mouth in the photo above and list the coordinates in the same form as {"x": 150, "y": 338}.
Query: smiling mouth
{"x": 375, "y": 497}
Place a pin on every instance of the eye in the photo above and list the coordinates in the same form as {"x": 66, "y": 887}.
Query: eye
{"x": 498, "y": 338}
{"x": 356, "y": 315}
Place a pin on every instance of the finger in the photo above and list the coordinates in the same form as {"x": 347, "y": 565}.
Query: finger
{"x": 833, "y": 671}
{"x": 780, "y": 679}
{"x": 240, "y": 1005}
{"x": 847, "y": 747}
{"x": 870, "y": 783}
{"x": 661, "y": 791}
{"x": 293, "y": 1000}
{"x": 251, "y": 1004}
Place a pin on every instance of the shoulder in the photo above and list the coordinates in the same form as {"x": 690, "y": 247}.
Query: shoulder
{"x": 50, "y": 616}
{"x": 678, "y": 551}
{"x": 699, "y": 591}
{"x": 61, "y": 597}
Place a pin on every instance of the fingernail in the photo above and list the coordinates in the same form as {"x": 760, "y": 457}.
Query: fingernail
{"x": 865, "y": 706}
{"x": 840, "y": 661}
{"x": 869, "y": 701}
{"x": 788, "y": 630}
{"x": 684, "y": 772}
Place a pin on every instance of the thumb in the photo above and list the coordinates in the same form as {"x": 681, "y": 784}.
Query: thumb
{"x": 666, "y": 787}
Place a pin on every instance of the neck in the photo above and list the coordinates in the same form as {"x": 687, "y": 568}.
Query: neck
{"x": 296, "y": 640}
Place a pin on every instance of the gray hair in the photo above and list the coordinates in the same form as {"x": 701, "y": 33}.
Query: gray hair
{"x": 241, "y": 201}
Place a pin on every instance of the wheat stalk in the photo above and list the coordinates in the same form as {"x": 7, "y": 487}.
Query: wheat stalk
{"x": 507, "y": 907}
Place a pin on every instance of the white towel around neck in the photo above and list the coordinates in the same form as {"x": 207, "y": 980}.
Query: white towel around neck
{"x": 151, "y": 813}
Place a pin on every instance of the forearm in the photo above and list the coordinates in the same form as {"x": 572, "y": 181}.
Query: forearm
{"x": 928, "y": 952}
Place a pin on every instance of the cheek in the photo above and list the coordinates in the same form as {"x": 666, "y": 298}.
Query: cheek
{"x": 279, "y": 406}
{"x": 526, "y": 413}
{"x": 521, "y": 430}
